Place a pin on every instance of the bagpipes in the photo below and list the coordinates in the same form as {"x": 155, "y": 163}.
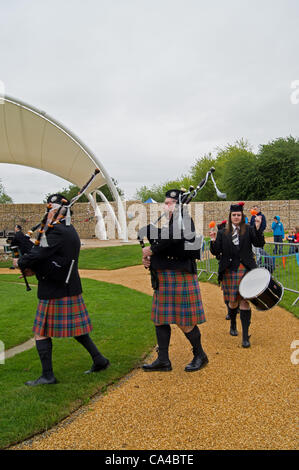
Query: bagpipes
{"x": 185, "y": 197}
{"x": 63, "y": 210}
{"x": 16, "y": 254}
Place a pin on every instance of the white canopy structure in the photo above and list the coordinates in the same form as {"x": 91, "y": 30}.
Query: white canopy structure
{"x": 31, "y": 137}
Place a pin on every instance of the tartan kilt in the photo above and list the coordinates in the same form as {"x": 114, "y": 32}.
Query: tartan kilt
{"x": 62, "y": 318}
{"x": 230, "y": 283}
{"x": 177, "y": 300}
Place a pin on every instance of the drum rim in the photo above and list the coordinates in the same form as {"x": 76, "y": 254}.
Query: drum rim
{"x": 275, "y": 305}
{"x": 262, "y": 290}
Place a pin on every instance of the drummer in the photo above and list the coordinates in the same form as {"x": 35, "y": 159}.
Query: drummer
{"x": 233, "y": 247}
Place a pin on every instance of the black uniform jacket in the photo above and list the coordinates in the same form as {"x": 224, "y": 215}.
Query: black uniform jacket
{"x": 24, "y": 243}
{"x": 230, "y": 256}
{"x": 169, "y": 248}
{"x": 52, "y": 264}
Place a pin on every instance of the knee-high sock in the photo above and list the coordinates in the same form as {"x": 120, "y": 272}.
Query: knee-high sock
{"x": 89, "y": 345}
{"x": 44, "y": 349}
{"x": 194, "y": 337}
{"x": 245, "y": 317}
{"x": 163, "y": 333}
{"x": 233, "y": 315}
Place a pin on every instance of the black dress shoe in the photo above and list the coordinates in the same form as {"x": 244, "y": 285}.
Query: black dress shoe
{"x": 41, "y": 381}
{"x": 246, "y": 343}
{"x": 233, "y": 331}
{"x": 157, "y": 365}
{"x": 198, "y": 362}
{"x": 97, "y": 367}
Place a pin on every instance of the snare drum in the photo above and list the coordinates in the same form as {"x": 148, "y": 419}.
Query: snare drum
{"x": 259, "y": 287}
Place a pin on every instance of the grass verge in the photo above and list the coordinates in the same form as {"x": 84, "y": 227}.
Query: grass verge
{"x": 122, "y": 331}
{"x": 115, "y": 257}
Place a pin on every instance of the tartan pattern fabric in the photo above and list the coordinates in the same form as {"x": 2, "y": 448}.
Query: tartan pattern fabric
{"x": 62, "y": 318}
{"x": 230, "y": 283}
{"x": 178, "y": 299}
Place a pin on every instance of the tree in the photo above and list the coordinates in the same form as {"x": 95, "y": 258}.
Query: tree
{"x": 198, "y": 172}
{"x": 278, "y": 169}
{"x": 4, "y": 198}
{"x": 272, "y": 173}
{"x": 237, "y": 170}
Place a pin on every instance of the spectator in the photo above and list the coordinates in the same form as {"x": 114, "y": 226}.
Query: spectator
{"x": 20, "y": 240}
{"x": 291, "y": 239}
{"x": 278, "y": 233}
{"x": 252, "y": 220}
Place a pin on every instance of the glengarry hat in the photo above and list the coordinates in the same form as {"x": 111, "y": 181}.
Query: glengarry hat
{"x": 237, "y": 207}
{"x": 57, "y": 199}
{"x": 174, "y": 193}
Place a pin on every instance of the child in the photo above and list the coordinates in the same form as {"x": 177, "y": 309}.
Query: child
{"x": 278, "y": 233}
{"x": 291, "y": 239}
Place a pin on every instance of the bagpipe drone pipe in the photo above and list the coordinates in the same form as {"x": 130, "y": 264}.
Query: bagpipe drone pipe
{"x": 184, "y": 224}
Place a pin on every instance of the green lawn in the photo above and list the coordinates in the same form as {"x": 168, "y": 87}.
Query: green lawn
{"x": 115, "y": 257}
{"x": 123, "y": 332}
{"x": 17, "y": 310}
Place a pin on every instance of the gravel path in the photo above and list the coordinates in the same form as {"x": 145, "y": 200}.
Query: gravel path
{"x": 243, "y": 399}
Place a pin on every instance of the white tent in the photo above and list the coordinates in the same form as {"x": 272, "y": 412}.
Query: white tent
{"x": 150, "y": 200}
{"x": 31, "y": 137}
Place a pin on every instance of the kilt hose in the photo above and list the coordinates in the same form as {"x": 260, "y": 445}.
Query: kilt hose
{"x": 61, "y": 318}
{"x": 230, "y": 283}
{"x": 177, "y": 300}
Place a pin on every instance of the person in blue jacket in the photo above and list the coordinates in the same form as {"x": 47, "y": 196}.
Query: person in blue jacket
{"x": 278, "y": 233}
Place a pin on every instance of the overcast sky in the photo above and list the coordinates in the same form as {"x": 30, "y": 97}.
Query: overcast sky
{"x": 150, "y": 85}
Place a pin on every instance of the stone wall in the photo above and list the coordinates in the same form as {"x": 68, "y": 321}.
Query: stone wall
{"x": 138, "y": 215}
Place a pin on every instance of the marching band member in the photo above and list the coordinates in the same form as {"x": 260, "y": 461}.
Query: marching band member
{"x": 222, "y": 226}
{"x": 233, "y": 247}
{"x": 61, "y": 310}
{"x": 177, "y": 297}
{"x": 20, "y": 240}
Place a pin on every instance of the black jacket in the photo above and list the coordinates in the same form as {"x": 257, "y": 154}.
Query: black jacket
{"x": 263, "y": 223}
{"x": 175, "y": 247}
{"x": 52, "y": 264}
{"x": 230, "y": 256}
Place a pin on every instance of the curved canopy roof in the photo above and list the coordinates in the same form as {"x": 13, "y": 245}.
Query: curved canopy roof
{"x": 31, "y": 137}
